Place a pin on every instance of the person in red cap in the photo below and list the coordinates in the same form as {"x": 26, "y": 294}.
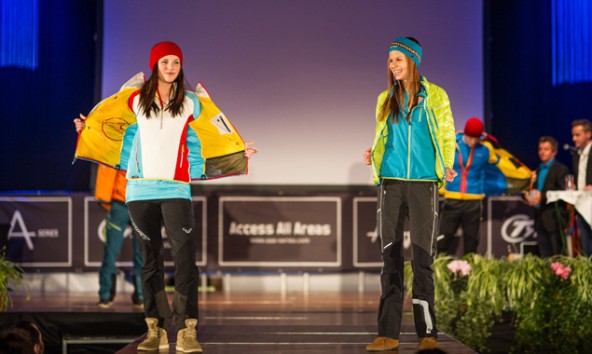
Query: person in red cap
{"x": 162, "y": 153}
{"x": 463, "y": 197}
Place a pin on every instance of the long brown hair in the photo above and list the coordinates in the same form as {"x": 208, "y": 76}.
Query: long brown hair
{"x": 396, "y": 96}
{"x": 148, "y": 93}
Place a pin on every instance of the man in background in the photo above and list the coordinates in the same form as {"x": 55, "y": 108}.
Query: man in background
{"x": 464, "y": 196}
{"x": 550, "y": 219}
{"x": 110, "y": 191}
{"x": 581, "y": 133}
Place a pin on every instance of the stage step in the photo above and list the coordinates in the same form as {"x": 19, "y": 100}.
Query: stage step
{"x": 267, "y": 338}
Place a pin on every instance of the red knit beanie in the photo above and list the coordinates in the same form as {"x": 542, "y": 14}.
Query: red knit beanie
{"x": 163, "y": 49}
{"x": 474, "y": 127}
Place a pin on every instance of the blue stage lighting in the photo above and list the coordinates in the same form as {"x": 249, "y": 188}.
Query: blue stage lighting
{"x": 19, "y": 33}
{"x": 572, "y": 41}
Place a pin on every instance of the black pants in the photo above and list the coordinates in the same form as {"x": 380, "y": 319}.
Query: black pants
{"x": 549, "y": 243}
{"x": 176, "y": 215}
{"x": 397, "y": 201}
{"x": 463, "y": 213}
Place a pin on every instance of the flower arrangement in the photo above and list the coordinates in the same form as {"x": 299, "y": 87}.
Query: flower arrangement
{"x": 459, "y": 266}
{"x": 548, "y": 301}
{"x": 560, "y": 270}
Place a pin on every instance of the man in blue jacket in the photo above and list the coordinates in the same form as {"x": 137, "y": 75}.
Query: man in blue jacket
{"x": 463, "y": 196}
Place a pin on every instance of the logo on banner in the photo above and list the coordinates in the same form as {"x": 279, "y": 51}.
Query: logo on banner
{"x": 372, "y": 235}
{"x": 517, "y": 228}
{"x": 17, "y": 218}
{"x": 18, "y": 223}
{"x": 102, "y": 231}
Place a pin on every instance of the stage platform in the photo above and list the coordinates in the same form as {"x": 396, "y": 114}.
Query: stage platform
{"x": 230, "y": 322}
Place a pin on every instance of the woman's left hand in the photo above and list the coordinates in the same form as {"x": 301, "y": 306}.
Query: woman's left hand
{"x": 450, "y": 174}
{"x": 250, "y": 151}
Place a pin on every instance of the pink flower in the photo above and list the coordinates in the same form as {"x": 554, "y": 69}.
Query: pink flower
{"x": 560, "y": 270}
{"x": 457, "y": 266}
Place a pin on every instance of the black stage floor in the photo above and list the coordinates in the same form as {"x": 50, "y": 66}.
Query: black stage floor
{"x": 229, "y": 323}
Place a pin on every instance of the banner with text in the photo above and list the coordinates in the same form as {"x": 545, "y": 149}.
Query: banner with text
{"x": 279, "y": 231}
{"x": 38, "y": 230}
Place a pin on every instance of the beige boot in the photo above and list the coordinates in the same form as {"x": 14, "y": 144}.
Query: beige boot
{"x": 380, "y": 344}
{"x": 186, "y": 338}
{"x": 428, "y": 343}
{"x": 156, "y": 338}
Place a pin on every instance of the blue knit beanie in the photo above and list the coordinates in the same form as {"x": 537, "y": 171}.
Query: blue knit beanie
{"x": 407, "y": 47}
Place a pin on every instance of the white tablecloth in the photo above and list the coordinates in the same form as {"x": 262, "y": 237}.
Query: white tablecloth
{"x": 580, "y": 199}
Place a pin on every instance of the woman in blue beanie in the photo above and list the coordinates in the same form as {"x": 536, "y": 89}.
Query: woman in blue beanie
{"x": 412, "y": 154}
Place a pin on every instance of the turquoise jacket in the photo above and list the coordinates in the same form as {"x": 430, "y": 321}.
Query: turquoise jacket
{"x": 471, "y": 166}
{"x": 436, "y": 106}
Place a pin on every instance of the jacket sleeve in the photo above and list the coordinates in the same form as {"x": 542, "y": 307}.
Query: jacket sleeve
{"x": 494, "y": 158}
{"x": 379, "y": 140}
{"x": 446, "y": 132}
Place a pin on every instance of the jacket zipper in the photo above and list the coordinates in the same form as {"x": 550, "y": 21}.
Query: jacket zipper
{"x": 409, "y": 130}
{"x": 182, "y": 156}
{"x": 409, "y": 150}
{"x": 161, "y": 108}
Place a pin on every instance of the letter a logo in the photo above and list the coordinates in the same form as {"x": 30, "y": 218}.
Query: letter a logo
{"x": 17, "y": 218}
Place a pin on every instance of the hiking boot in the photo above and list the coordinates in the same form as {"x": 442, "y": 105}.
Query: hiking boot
{"x": 104, "y": 303}
{"x": 156, "y": 338}
{"x": 186, "y": 338}
{"x": 428, "y": 343}
{"x": 380, "y": 344}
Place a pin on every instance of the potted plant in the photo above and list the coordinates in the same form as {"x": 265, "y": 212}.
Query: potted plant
{"x": 552, "y": 302}
{"x": 10, "y": 275}
{"x": 546, "y": 303}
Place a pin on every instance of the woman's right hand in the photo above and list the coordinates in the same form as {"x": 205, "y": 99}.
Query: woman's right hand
{"x": 79, "y": 123}
{"x": 368, "y": 156}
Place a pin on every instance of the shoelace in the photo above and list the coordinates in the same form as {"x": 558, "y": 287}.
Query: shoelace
{"x": 189, "y": 333}
{"x": 153, "y": 333}
{"x": 380, "y": 340}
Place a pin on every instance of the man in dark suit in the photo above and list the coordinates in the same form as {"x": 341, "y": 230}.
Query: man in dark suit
{"x": 581, "y": 133}
{"x": 551, "y": 219}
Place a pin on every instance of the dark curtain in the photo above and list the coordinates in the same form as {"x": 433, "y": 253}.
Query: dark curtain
{"x": 521, "y": 102}
{"x": 37, "y": 106}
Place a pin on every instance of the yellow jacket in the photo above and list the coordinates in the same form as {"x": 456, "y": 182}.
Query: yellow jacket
{"x": 440, "y": 123}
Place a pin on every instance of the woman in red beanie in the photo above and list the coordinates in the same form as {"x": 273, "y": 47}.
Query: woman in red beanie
{"x": 413, "y": 152}
{"x": 163, "y": 157}
{"x": 162, "y": 154}
{"x": 163, "y": 109}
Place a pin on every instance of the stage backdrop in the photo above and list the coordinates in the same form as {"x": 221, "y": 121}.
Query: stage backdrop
{"x": 300, "y": 77}
{"x": 242, "y": 230}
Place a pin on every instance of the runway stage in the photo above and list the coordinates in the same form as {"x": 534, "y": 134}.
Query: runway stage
{"x": 247, "y": 323}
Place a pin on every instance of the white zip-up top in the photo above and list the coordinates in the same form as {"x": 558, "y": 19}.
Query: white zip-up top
{"x": 162, "y": 152}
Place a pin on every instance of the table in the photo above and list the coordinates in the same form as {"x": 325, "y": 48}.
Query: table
{"x": 581, "y": 200}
